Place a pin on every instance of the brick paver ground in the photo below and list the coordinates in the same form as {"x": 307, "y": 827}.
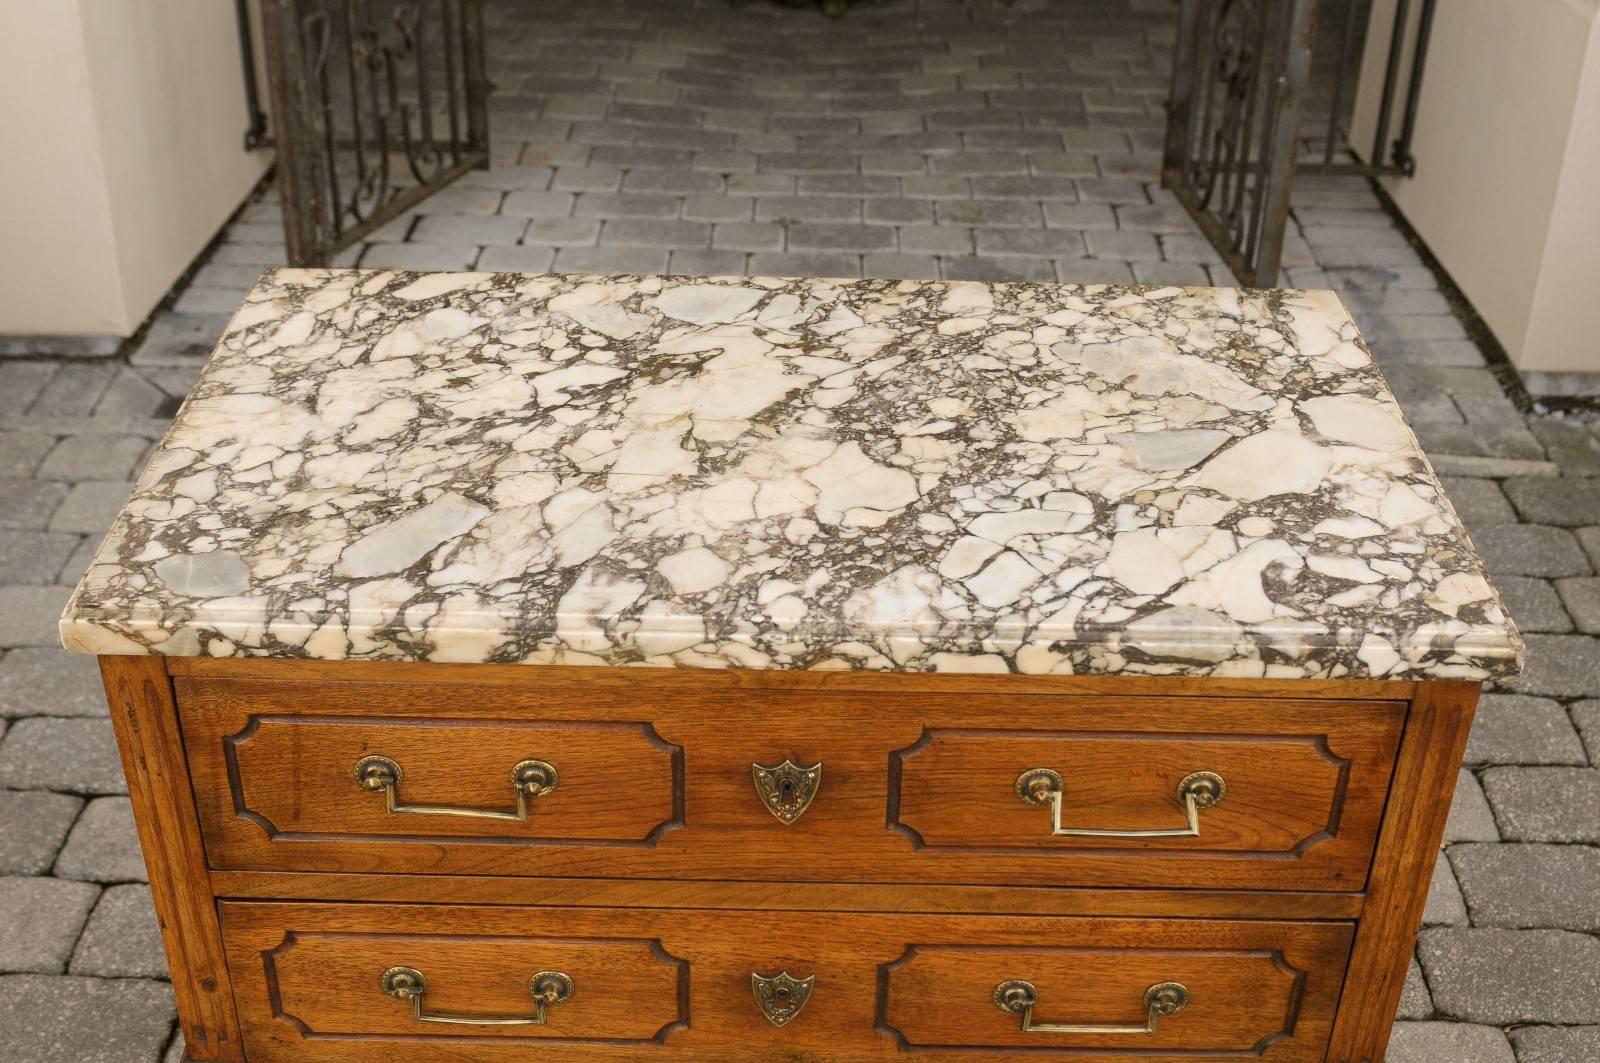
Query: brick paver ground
{"x": 921, "y": 139}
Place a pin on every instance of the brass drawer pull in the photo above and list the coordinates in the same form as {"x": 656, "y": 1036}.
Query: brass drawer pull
{"x": 532, "y": 779}
{"x": 547, "y": 987}
{"x": 1017, "y": 997}
{"x": 1198, "y": 792}
{"x": 781, "y": 996}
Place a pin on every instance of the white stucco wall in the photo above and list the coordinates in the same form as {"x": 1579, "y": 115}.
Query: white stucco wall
{"x": 1508, "y": 152}
{"x": 122, "y": 124}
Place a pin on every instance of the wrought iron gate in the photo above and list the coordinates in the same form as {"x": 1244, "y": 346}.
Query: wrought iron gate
{"x": 376, "y": 104}
{"x": 1242, "y": 77}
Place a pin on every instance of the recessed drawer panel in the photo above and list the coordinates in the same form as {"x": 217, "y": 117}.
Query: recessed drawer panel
{"x": 1064, "y": 792}
{"x": 357, "y": 983}
{"x": 809, "y": 786}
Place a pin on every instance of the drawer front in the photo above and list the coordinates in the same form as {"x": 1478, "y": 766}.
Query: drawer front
{"x": 317, "y": 982}
{"x": 912, "y": 788}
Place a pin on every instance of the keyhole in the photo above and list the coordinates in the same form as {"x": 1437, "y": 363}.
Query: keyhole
{"x": 783, "y": 996}
{"x": 787, "y": 789}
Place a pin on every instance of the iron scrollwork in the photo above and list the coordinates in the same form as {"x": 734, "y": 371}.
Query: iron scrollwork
{"x": 378, "y": 104}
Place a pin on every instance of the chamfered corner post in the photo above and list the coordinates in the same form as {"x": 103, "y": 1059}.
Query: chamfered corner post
{"x": 1424, "y": 783}
{"x": 144, "y": 714}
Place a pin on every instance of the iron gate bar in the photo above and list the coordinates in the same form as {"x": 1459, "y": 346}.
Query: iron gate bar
{"x": 344, "y": 110}
{"x": 1238, "y": 79}
{"x": 1241, "y": 78}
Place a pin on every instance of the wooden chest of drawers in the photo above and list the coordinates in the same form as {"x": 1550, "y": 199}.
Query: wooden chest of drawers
{"x": 725, "y": 670}
{"x": 927, "y": 894}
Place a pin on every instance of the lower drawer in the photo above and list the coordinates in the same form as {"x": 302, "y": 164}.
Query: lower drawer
{"x": 318, "y": 983}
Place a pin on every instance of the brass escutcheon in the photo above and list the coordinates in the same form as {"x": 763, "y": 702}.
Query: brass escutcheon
{"x": 781, "y": 996}
{"x": 786, "y": 789}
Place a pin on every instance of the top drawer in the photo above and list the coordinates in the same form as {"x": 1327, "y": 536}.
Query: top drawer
{"x": 912, "y": 787}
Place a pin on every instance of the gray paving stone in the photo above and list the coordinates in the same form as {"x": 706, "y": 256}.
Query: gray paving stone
{"x": 1520, "y": 886}
{"x": 21, "y": 383}
{"x": 990, "y": 212}
{"x": 1081, "y": 216}
{"x": 898, "y": 211}
{"x": 674, "y": 182}
{"x": 761, "y": 184}
{"x": 97, "y": 457}
{"x": 748, "y": 236}
{"x": 50, "y": 682}
{"x": 901, "y": 267}
{"x": 702, "y": 263}
{"x": 1093, "y": 271}
{"x": 34, "y": 556}
{"x": 636, "y": 260}
{"x": 1581, "y": 596}
{"x": 29, "y": 503}
{"x": 997, "y": 269}
{"x": 1533, "y": 604}
{"x": 74, "y": 390}
{"x": 609, "y": 206}
{"x": 1502, "y": 977}
{"x": 1570, "y": 444}
{"x": 1557, "y": 1044}
{"x": 537, "y": 203}
{"x": 122, "y": 938}
{"x": 854, "y": 185}
{"x": 40, "y": 919}
{"x": 586, "y": 179}
{"x": 810, "y": 236}
{"x": 1447, "y": 1042}
{"x": 808, "y": 264}
{"x": 1415, "y": 1003}
{"x": 63, "y": 1019}
{"x": 33, "y": 825}
{"x": 563, "y": 232}
{"x": 1565, "y": 502}
{"x": 90, "y": 507}
{"x": 1560, "y": 666}
{"x": 648, "y": 232}
{"x": 462, "y": 229}
{"x": 1470, "y": 819}
{"x": 522, "y": 258}
{"x": 132, "y": 394}
{"x": 180, "y": 339}
{"x": 1188, "y": 274}
{"x": 28, "y": 615}
{"x": 808, "y": 209}
{"x": 420, "y": 256}
{"x": 718, "y": 208}
{"x": 937, "y": 239}
{"x": 1479, "y": 465}
{"x": 21, "y": 452}
{"x": 1589, "y": 539}
{"x": 1545, "y": 804}
{"x": 1530, "y": 550}
{"x": 175, "y": 1051}
{"x": 74, "y": 755}
{"x": 508, "y": 177}
{"x": 1445, "y": 906}
{"x": 1586, "y": 715}
{"x": 1478, "y": 502}
{"x": 103, "y": 845}
{"x": 1041, "y": 243}
{"x": 1517, "y": 729}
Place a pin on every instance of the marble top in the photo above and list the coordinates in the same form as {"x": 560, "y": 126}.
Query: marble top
{"x": 767, "y": 473}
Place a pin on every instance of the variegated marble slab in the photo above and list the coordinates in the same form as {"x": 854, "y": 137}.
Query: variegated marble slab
{"x": 766, "y": 473}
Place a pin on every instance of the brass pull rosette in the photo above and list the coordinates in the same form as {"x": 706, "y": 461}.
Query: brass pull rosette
{"x": 532, "y": 779}
{"x": 1197, "y": 792}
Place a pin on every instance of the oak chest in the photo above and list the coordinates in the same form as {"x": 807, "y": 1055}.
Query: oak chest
{"x": 636, "y": 668}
